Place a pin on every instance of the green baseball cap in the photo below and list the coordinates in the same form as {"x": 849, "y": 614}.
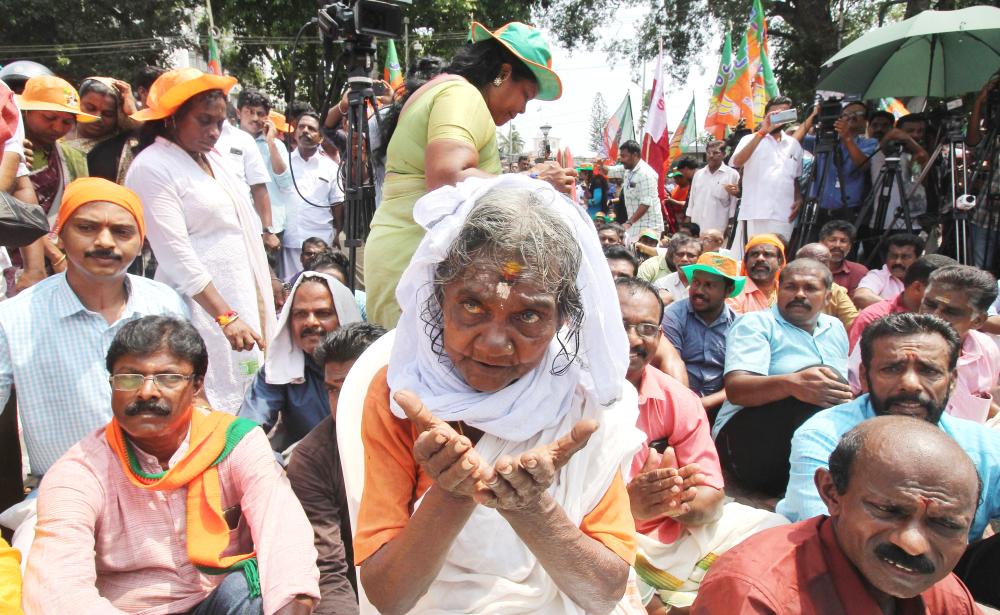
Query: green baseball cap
{"x": 720, "y": 265}
{"x": 674, "y": 174}
{"x": 527, "y": 43}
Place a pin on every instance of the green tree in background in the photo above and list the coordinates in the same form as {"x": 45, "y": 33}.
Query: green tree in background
{"x": 598, "y": 118}
{"x": 80, "y": 39}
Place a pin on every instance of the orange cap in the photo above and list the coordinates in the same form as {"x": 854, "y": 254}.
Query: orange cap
{"x": 765, "y": 238}
{"x": 50, "y": 93}
{"x": 278, "y": 119}
{"x": 93, "y": 189}
{"x": 174, "y": 87}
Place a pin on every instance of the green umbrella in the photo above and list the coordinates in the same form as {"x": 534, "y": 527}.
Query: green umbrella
{"x": 935, "y": 53}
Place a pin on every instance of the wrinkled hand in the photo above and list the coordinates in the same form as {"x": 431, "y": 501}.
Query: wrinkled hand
{"x": 519, "y": 482}
{"x": 822, "y": 386}
{"x": 447, "y": 457}
{"x": 29, "y": 153}
{"x": 662, "y": 489}
{"x": 241, "y": 336}
{"x": 561, "y": 179}
{"x": 271, "y": 242}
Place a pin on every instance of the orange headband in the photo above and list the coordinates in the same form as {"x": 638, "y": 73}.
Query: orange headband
{"x": 756, "y": 240}
{"x": 91, "y": 189}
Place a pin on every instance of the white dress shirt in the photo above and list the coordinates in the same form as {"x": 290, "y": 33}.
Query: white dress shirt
{"x": 318, "y": 180}
{"x": 769, "y": 177}
{"x": 709, "y": 205}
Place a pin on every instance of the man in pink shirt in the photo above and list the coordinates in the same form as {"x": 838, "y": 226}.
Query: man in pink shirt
{"x": 681, "y": 534}
{"x": 962, "y": 295}
{"x": 887, "y": 282}
{"x": 171, "y": 508}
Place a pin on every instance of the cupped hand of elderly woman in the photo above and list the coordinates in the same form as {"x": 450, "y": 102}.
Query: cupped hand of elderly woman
{"x": 445, "y": 455}
{"x": 519, "y": 483}
{"x": 562, "y": 179}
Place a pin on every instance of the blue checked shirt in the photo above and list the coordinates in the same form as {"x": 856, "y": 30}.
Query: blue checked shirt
{"x": 52, "y": 349}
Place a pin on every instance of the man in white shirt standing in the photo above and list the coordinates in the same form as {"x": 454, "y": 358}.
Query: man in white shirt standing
{"x": 315, "y": 208}
{"x": 240, "y": 150}
{"x": 771, "y": 163}
{"x": 642, "y": 200}
{"x": 714, "y": 189}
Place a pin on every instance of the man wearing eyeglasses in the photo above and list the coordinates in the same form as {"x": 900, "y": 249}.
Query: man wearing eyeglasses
{"x": 845, "y": 174}
{"x": 678, "y": 531}
{"x": 170, "y": 507}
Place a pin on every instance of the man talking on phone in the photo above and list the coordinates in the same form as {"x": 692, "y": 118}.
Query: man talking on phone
{"x": 675, "y": 482}
{"x": 771, "y": 163}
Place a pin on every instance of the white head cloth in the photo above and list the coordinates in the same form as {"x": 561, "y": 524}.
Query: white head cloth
{"x": 285, "y": 363}
{"x": 539, "y": 399}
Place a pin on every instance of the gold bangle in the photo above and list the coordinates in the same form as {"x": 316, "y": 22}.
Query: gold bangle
{"x": 60, "y": 260}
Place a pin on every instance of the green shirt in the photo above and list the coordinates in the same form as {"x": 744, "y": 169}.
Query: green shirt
{"x": 455, "y": 110}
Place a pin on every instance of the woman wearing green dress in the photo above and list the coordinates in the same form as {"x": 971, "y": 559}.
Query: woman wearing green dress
{"x": 446, "y": 132}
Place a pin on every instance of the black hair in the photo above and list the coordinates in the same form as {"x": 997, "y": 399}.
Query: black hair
{"x": 923, "y": 267}
{"x": 843, "y": 456}
{"x": 686, "y": 163}
{"x": 810, "y": 264}
{"x": 330, "y": 259}
{"x": 613, "y": 226}
{"x": 882, "y": 113}
{"x": 253, "y": 98}
{"x": 902, "y": 240}
{"x": 522, "y": 157}
{"x": 637, "y": 285}
{"x": 908, "y": 323}
{"x": 312, "y": 114}
{"x": 146, "y": 76}
{"x": 618, "y": 252}
{"x": 980, "y": 285}
{"x": 911, "y": 118}
{"x": 480, "y": 63}
{"x": 347, "y": 343}
{"x": 315, "y": 241}
{"x": 631, "y": 147}
{"x": 842, "y": 226}
{"x": 296, "y": 109}
{"x": 777, "y": 100}
{"x": 149, "y": 334}
{"x": 158, "y": 128}
{"x": 693, "y": 227}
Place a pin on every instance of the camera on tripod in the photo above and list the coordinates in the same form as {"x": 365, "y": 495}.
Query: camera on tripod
{"x": 893, "y": 149}
{"x": 829, "y": 112}
{"x": 342, "y": 21}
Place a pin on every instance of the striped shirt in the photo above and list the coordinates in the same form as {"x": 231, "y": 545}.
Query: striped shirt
{"x": 639, "y": 188}
{"x": 52, "y": 349}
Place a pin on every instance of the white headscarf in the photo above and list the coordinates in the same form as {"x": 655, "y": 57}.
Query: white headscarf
{"x": 285, "y": 363}
{"x": 539, "y": 399}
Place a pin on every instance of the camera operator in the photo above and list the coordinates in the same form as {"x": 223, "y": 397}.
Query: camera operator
{"x": 903, "y": 141}
{"x": 977, "y": 127}
{"x": 985, "y": 219}
{"x": 844, "y": 183}
{"x": 771, "y": 162}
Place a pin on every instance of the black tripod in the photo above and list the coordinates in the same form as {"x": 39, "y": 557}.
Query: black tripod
{"x": 875, "y": 208}
{"x": 987, "y": 180}
{"x": 359, "y": 187}
{"x": 806, "y": 230}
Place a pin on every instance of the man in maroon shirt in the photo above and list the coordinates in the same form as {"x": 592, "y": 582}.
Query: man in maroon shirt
{"x": 902, "y": 495}
{"x": 838, "y": 237}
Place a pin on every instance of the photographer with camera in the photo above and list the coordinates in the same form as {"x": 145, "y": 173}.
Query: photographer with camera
{"x": 903, "y": 143}
{"x": 985, "y": 219}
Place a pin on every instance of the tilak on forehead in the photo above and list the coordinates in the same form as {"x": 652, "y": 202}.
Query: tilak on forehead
{"x": 508, "y": 275}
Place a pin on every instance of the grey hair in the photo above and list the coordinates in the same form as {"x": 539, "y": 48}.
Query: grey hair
{"x": 515, "y": 224}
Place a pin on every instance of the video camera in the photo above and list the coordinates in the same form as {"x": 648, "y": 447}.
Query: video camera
{"x": 342, "y": 21}
{"x": 829, "y": 112}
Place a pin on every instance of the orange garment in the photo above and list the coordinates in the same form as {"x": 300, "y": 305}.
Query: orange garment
{"x": 213, "y": 437}
{"x": 394, "y": 482}
{"x": 752, "y": 299}
{"x": 768, "y": 238}
{"x": 85, "y": 190}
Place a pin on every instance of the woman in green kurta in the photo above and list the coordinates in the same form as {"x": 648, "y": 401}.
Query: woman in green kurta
{"x": 446, "y": 132}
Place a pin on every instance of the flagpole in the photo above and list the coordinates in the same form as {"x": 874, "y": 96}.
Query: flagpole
{"x": 211, "y": 20}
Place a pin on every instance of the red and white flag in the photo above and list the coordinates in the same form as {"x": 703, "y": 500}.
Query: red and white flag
{"x": 656, "y": 135}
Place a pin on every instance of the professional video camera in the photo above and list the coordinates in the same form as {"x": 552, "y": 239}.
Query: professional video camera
{"x": 829, "y": 112}
{"x": 341, "y": 21}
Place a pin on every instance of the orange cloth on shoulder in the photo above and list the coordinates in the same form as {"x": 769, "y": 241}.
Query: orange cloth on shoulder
{"x": 91, "y": 189}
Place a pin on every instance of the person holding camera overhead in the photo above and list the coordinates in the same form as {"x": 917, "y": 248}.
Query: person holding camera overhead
{"x": 771, "y": 162}
{"x": 446, "y": 132}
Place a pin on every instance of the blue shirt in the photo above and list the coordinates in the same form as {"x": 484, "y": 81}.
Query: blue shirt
{"x": 280, "y": 186}
{"x": 302, "y": 405}
{"x": 855, "y": 180}
{"x": 765, "y": 343}
{"x": 53, "y": 350}
{"x": 702, "y": 346}
{"x": 816, "y": 438}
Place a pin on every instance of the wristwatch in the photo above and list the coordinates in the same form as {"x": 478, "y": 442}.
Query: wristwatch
{"x": 269, "y": 231}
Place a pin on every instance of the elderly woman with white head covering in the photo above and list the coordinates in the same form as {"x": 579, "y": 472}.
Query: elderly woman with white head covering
{"x": 496, "y": 437}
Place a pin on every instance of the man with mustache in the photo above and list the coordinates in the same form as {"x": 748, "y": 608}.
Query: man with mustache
{"x": 291, "y": 383}
{"x": 840, "y": 306}
{"x": 762, "y": 262}
{"x": 171, "y": 507}
{"x": 838, "y": 236}
{"x": 783, "y": 365}
{"x": 908, "y": 367}
{"x": 675, "y": 485}
{"x": 315, "y": 208}
{"x": 886, "y": 283}
{"x": 697, "y": 326}
{"x": 901, "y": 497}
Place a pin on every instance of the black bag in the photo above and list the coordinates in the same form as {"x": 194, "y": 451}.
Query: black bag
{"x": 20, "y": 223}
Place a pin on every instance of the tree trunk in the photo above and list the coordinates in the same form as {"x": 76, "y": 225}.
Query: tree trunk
{"x": 914, "y": 7}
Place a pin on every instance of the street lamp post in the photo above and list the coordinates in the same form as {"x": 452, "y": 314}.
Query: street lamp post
{"x": 546, "y": 150}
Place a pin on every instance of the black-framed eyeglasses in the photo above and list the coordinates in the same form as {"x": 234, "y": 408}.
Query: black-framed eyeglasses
{"x": 134, "y": 382}
{"x": 645, "y": 330}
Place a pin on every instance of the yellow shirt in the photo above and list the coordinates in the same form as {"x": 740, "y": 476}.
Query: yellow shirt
{"x": 456, "y": 110}
{"x": 10, "y": 580}
{"x": 841, "y": 307}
